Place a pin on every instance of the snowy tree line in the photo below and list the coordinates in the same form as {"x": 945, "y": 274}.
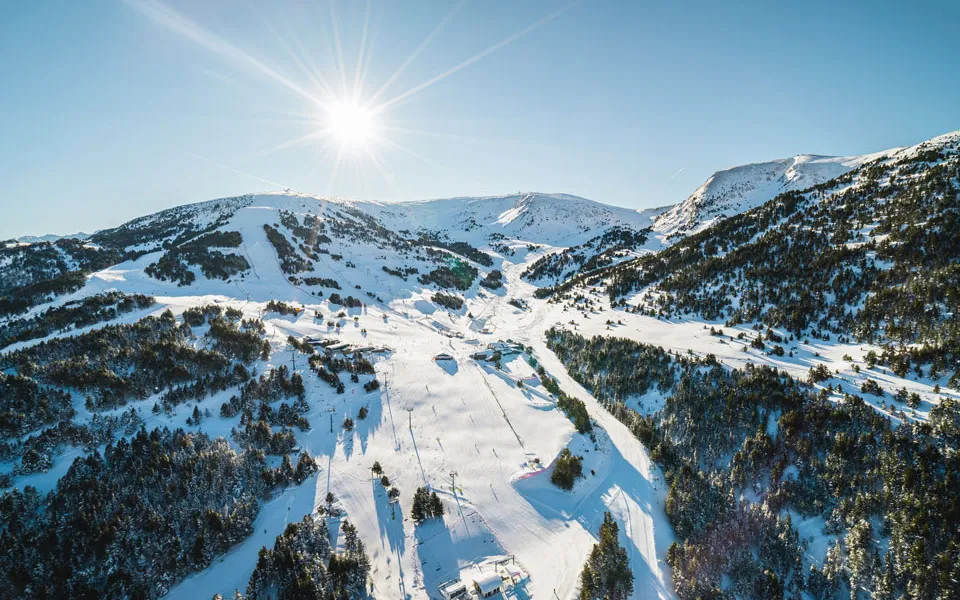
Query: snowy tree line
{"x": 606, "y": 574}
{"x": 36, "y": 273}
{"x": 118, "y": 363}
{"x": 888, "y": 493}
{"x": 72, "y": 315}
{"x": 200, "y": 252}
{"x": 593, "y": 254}
{"x": 134, "y": 520}
{"x": 303, "y": 564}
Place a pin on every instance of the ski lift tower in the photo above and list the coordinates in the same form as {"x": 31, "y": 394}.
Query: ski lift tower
{"x": 331, "y": 410}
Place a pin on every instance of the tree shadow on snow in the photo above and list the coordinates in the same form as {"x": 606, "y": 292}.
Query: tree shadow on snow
{"x": 373, "y": 401}
{"x": 436, "y": 553}
{"x": 389, "y": 519}
{"x": 587, "y": 505}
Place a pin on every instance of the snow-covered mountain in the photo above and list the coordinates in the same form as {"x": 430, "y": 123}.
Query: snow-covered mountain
{"x": 183, "y": 389}
{"x": 51, "y": 237}
{"x": 738, "y": 189}
{"x": 550, "y": 219}
{"x": 573, "y": 234}
{"x": 556, "y": 220}
{"x": 870, "y": 253}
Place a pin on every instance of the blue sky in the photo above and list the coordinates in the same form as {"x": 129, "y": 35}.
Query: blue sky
{"x": 112, "y": 109}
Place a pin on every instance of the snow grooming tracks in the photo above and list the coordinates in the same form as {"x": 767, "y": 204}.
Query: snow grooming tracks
{"x": 505, "y": 417}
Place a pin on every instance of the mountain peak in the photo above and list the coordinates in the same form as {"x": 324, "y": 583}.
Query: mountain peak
{"x": 738, "y": 189}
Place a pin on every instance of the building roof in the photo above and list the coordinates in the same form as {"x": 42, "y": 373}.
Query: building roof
{"x": 456, "y": 584}
{"x": 488, "y": 582}
{"x": 453, "y": 587}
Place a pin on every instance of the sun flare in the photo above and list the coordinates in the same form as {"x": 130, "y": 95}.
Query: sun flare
{"x": 350, "y": 123}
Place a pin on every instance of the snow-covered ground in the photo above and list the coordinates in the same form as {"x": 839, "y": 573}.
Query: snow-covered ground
{"x": 432, "y": 423}
{"x": 461, "y": 427}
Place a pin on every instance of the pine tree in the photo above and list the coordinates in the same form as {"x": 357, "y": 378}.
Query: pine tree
{"x": 436, "y": 507}
{"x": 426, "y": 505}
{"x": 418, "y": 512}
{"x": 607, "y": 574}
{"x": 306, "y": 466}
{"x": 860, "y": 556}
{"x": 287, "y": 474}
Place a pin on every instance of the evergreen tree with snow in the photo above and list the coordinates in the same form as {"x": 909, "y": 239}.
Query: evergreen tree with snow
{"x": 607, "y": 574}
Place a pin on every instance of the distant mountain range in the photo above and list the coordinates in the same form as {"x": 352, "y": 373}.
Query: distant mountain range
{"x": 50, "y": 237}
{"x": 565, "y": 220}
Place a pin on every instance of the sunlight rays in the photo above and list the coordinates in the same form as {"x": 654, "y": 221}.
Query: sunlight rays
{"x": 297, "y": 142}
{"x": 160, "y": 13}
{"x": 466, "y": 63}
{"x": 311, "y": 72}
{"x": 237, "y": 171}
{"x": 426, "y": 41}
{"x": 335, "y": 171}
{"x": 358, "y": 72}
{"x": 346, "y": 122}
{"x": 335, "y": 27}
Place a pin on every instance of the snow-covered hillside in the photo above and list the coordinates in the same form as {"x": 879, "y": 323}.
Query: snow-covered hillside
{"x": 738, "y": 189}
{"x": 550, "y": 219}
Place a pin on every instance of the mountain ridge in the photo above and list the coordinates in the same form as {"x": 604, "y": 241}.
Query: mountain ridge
{"x": 723, "y": 194}
{"x": 734, "y": 190}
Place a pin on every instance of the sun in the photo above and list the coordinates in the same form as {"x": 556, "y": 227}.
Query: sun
{"x": 350, "y": 123}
